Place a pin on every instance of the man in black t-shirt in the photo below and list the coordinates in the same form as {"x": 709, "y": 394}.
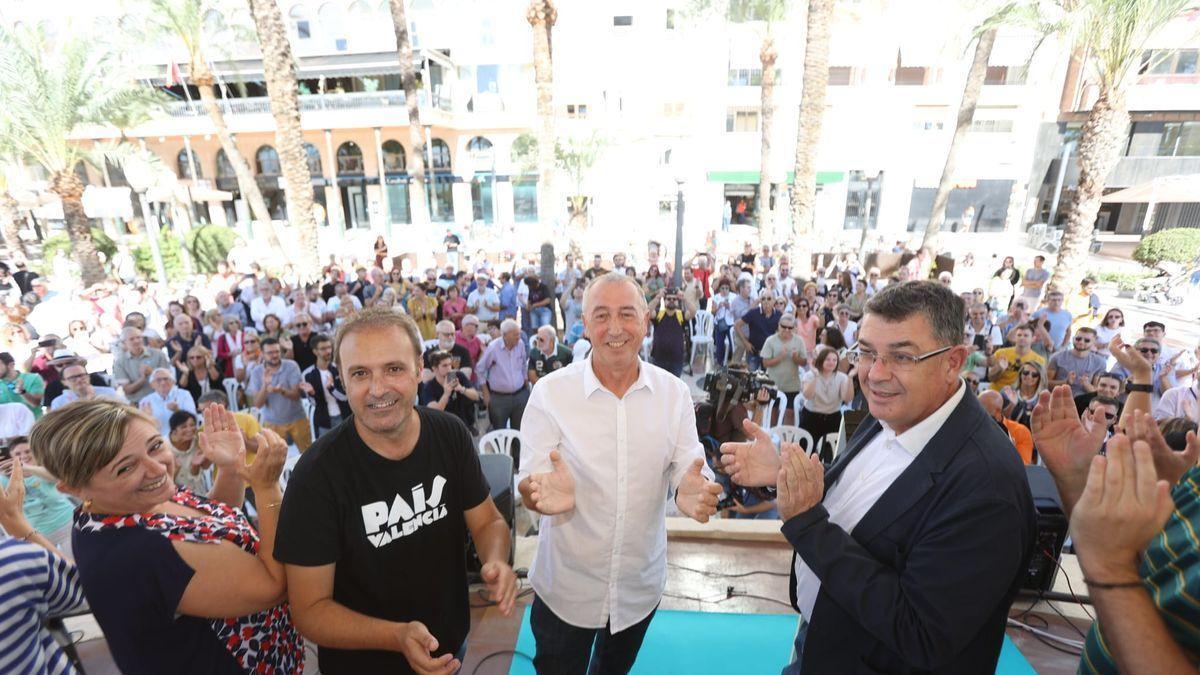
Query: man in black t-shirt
{"x": 449, "y": 390}
{"x": 373, "y": 525}
{"x": 670, "y": 314}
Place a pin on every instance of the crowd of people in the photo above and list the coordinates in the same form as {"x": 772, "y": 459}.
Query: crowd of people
{"x": 142, "y": 424}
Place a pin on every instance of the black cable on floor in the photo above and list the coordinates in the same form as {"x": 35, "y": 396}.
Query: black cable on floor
{"x": 725, "y": 575}
{"x": 502, "y": 652}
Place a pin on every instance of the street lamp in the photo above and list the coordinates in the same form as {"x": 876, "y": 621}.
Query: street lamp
{"x": 678, "y": 169}
{"x": 141, "y": 177}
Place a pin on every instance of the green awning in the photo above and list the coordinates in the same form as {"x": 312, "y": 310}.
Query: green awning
{"x": 751, "y": 177}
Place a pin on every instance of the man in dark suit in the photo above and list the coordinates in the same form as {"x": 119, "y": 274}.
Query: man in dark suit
{"x": 912, "y": 546}
{"x": 323, "y": 384}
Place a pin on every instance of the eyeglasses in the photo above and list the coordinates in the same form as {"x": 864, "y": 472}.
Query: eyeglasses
{"x": 1147, "y": 350}
{"x": 1031, "y": 373}
{"x": 896, "y": 361}
{"x": 783, "y": 327}
{"x": 1109, "y": 416}
{"x": 1085, "y": 340}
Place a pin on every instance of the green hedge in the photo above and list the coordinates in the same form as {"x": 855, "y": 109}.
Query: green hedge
{"x": 210, "y": 244}
{"x": 168, "y": 245}
{"x": 1179, "y": 245}
{"x": 52, "y": 245}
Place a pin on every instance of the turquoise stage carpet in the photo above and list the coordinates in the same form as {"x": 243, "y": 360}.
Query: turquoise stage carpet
{"x": 706, "y": 642}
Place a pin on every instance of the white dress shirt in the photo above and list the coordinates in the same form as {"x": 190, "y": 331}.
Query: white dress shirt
{"x": 865, "y": 480}
{"x": 605, "y": 561}
{"x": 259, "y": 309}
{"x": 158, "y": 406}
{"x": 1178, "y": 402}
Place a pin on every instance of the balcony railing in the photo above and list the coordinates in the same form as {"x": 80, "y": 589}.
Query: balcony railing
{"x": 309, "y": 102}
{"x": 1131, "y": 171}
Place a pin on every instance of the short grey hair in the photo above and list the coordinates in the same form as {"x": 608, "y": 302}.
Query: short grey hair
{"x": 940, "y": 306}
{"x": 509, "y": 325}
{"x": 614, "y": 278}
{"x": 154, "y": 373}
{"x": 548, "y": 331}
{"x": 445, "y": 324}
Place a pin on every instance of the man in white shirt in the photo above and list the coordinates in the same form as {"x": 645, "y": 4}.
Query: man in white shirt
{"x": 1179, "y": 402}
{"x": 911, "y": 549}
{"x": 590, "y": 434}
{"x": 166, "y": 399}
{"x": 341, "y": 294}
{"x": 484, "y": 301}
{"x": 266, "y": 303}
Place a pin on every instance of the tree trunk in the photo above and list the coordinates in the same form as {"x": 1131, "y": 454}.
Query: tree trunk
{"x": 203, "y": 79}
{"x": 419, "y": 207}
{"x": 808, "y": 136}
{"x": 1099, "y": 149}
{"x": 541, "y": 16}
{"x": 69, "y": 189}
{"x": 280, "y": 71}
{"x": 10, "y": 225}
{"x": 767, "y": 55}
{"x": 966, "y": 114}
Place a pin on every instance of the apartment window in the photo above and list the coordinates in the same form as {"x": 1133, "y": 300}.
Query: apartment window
{"x": 299, "y": 18}
{"x": 750, "y": 77}
{"x": 1180, "y": 139}
{"x": 839, "y": 76}
{"x": 674, "y": 109}
{"x": 1169, "y": 62}
{"x": 929, "y": 125}
{"x": 992, "y": 126}
{"x": 624, "y": 20}
{"x": 741, "y": 121}
{"x": 1002, "y": 75}
{"x": 577, "y": 111}
{"x": 911, "y": 76}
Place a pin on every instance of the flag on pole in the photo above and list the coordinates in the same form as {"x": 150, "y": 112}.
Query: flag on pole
{"x": 174, "y": 76}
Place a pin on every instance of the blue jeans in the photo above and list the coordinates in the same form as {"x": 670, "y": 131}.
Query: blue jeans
{"x": 333, "y": 422}
{"x": 563, "y": 649}
{"x": 793, "y": 668}
{"x": 539, "y": 317}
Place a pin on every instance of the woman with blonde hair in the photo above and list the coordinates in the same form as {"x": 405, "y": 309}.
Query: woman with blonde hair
{"x": 179, "y": 583}
{"x": 1031, "y": 381}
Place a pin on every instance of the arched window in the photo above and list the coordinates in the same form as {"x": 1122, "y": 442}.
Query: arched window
{"x": 298, "y": 18}
{"x": 480, "y": 149}
{"x": 439, "y": 155}
{"x": 393, "y": 157}
{"x": 314, "y": 159}
{"x": 332, "y": 20}
{"x": 267, "y": 160}
{"x": 184, "y": 168}
{"x": 359, "y": 9}
{"x": 224, "y": 166}
{"x": 349, "y": 158}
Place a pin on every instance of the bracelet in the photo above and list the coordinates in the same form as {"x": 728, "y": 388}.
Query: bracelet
{"x": 30, "y": 535}
{"x": 269, "y": 506}
{"x": 1124, "y": 584}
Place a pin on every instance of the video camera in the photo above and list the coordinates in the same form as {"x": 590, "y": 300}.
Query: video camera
{"x": 729, "y": 388}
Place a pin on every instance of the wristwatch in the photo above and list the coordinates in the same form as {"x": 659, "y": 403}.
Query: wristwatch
{"x": 1130, "y": 387}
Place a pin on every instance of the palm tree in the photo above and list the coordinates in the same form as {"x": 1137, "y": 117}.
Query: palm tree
{"x": 966, "y": 114}
{"x": 1113, "y": 35}
{"x": 184, "y": 19}
{"x": 10, "y": 219}
{"x": 51, "y": 92}
{"x": 279, "y": 69}
{"x": 808, "y": 125}
{"x": 408, "y": 80}
{"x": 542, "y": 16}
{"x": 769, "y": 13}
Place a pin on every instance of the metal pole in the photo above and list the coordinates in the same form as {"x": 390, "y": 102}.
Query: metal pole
{"x": 866, "y": 221}
{"x": 152, "y": 232}
{"x": 187, "y": 147}
{"x": 383, "y": 188}
{"x": 430, "y": 177}
{"x": 677, "y": 278}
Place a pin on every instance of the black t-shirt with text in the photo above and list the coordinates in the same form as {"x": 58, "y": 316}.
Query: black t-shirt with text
{"x": 395, "y": 530}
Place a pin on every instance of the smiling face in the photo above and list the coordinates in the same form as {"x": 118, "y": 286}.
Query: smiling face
{"x": 183, "y": 435}
{"x": 137, "y": 479}
{"x": 616, "y": 322}
{"x": 161, "y": 382}
{"x": 381, "y": 374}
{"x": 903, "y": 397}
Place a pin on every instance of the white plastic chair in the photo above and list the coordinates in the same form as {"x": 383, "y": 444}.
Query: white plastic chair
{"x": 581, "y": 349}
{"x": 533, "y": 341}
{"x": 288, "y": 465}
{"x": 830, "y": 440}
{"x": 498, "y": 441}
{"x": 786, "y": 433}
{"x": 702, "y": 335}
{"x": 429, "y": 344}
{"x": 773, "y": 411}
{"x": 310, "y": 410}
{"x": 484, "y": 338}
{"x": 231, "y": 392}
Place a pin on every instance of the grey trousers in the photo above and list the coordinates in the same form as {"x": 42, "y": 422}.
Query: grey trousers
{"x": 508, "y": 408}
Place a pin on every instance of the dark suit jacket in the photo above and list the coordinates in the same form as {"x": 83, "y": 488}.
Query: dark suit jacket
{"x": 321, "y": 411}
{"x": 925, "y": 581}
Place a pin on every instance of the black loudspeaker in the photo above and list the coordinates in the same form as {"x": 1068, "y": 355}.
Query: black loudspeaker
{"x": 1051, "y": 530}
{"x": 498, "y": 471}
